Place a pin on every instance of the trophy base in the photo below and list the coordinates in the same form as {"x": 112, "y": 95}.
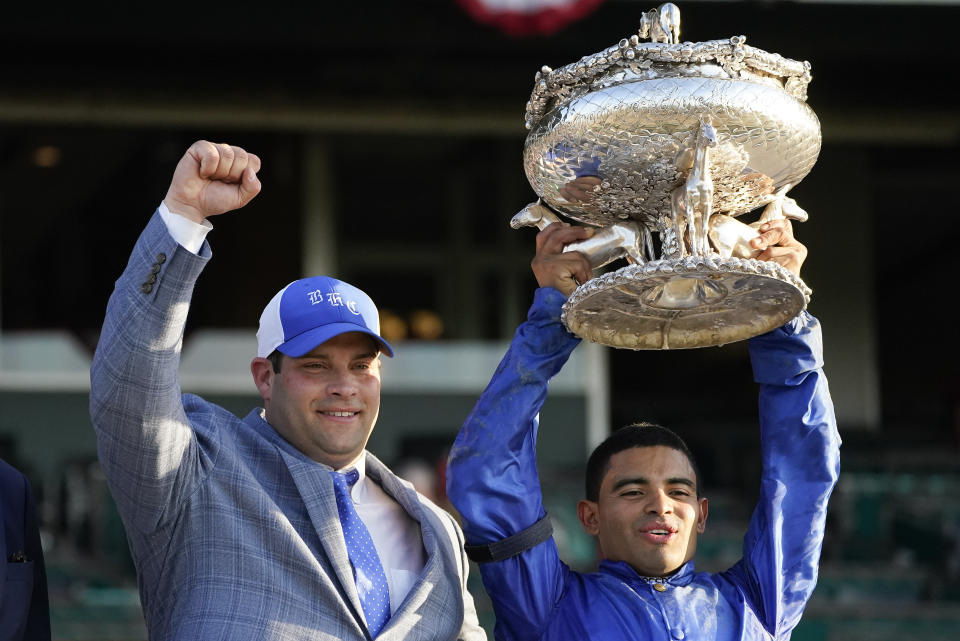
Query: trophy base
{"x": 698, "y": 301}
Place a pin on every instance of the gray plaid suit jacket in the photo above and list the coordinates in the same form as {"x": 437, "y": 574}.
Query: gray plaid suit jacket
{"x": 235, "y": 533}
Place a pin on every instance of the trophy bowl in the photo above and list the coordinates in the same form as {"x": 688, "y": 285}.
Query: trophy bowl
{"x": 663, "y": 145}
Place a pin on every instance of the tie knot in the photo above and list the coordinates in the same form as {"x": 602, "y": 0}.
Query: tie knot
{"x": 352, "y": 477}
{"x": 349, "y": 478}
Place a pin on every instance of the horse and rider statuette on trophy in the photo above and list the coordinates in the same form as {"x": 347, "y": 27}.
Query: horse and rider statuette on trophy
{"x": 662, "y": 145}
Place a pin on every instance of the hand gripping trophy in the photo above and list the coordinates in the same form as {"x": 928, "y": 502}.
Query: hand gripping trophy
{"x": 662, "y": 145}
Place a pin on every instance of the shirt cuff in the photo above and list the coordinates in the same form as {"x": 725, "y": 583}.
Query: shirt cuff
{"x": 183, "y": 230}
{"x": 779, "y": 356}
{"x": 547, "y": 304}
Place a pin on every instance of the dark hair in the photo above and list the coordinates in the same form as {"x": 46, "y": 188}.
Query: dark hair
{"x": 276, "y": 359}
{"x": 635, "y": 435}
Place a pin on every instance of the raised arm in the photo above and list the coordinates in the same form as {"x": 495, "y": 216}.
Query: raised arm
{"x": 801, "y": 461}
{"x": 492, "y": 477}
{"x": 150, "y": 454}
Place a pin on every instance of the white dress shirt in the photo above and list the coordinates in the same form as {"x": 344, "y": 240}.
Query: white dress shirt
{"x": 395, "y": 534}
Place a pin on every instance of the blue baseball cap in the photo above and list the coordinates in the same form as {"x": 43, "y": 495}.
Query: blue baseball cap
{"x": 311, "y": 311}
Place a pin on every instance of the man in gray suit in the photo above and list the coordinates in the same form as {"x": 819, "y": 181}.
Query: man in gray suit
{"x": 279, "y": 525}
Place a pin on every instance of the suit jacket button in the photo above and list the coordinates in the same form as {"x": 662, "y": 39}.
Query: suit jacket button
{"x": 161, "y": 258}
{"x": 151, "y": 279}
{"x": 146, "y": 288}
{"x": 155, "y": 268}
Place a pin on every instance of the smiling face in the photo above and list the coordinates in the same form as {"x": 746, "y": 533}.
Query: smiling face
{"x": 647, "y": 512}
{"x": 325, "y": 403}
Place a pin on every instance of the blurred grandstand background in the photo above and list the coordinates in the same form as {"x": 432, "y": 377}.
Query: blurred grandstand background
{"x": 391, "y": 135}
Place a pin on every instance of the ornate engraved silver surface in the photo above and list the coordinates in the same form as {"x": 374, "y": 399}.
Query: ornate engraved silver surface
{"x": 673, "y": 139}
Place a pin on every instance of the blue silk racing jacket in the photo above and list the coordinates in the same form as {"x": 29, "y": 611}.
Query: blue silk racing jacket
{"x": 493, "y": 482}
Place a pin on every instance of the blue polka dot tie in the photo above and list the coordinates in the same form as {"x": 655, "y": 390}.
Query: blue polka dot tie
{"x": 367, "y": 569}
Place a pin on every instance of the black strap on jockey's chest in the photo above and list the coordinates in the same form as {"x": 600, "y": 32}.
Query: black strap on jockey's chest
{"x": 512, "y": 545}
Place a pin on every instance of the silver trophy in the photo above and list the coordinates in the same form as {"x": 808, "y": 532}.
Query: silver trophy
{"x": 663, "y": 145}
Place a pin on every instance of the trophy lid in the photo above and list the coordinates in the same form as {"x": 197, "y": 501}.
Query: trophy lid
{"x": 632, "y": 59}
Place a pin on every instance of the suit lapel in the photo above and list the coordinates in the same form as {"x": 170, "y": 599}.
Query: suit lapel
{"x": 432, "y": 577}
{"x": 316, "y": 490}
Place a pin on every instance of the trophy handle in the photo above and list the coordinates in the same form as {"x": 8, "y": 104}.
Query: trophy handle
{"x": 783, "y": 207}
{"x": 607, "y": 244}
{"x": 730, "y": 237}
{"x": 534, "y": 215}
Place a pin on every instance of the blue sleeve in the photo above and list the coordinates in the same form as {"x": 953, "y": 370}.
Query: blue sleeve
{"x": 492, "y": 476}
{"x": 800, "y": 448}
{"x": 148, "y": 449}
